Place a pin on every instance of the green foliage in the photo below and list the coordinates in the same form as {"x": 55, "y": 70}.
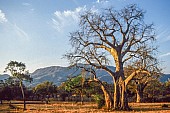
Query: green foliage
{"x": 99, "y": 99}
{"x": 166, "y": 88}
{"x": 18, "y": 70}
{"x": 154, "y": 88}
{"x": 155, "y": 91}
{"x": 45, "y": 88}
{"x": 73, "y": 84}
{"x": 10, "y": 89}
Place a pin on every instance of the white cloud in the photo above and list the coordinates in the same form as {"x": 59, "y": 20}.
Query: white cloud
{"x": 32, "y": 9}
{"x": 26, "y": 4}
{"x": 102, "y": 1}
{"x": 163, "y": 34}
{"x": 12, "y": 31}
{"x": 21, "y": 33}
{"x": 65, "y": 19}
{"x": 2, "y": 17}
{"x": 100, "y": 5}
{"x": 164, "y": 55}
{"x": 168, "y": 37}
{"x": 70, "y": 18}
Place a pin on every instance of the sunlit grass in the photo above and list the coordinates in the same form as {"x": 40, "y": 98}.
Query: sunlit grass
{"x": 72, "y": 107}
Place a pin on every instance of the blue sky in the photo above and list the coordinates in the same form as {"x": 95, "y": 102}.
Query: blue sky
{"x": 36, "y": 32}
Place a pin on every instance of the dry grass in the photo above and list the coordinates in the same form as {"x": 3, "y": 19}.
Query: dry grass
{"x": 71, "y": 107}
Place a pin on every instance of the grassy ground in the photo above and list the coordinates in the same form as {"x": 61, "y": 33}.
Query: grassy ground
{"x": 72, "y": 107}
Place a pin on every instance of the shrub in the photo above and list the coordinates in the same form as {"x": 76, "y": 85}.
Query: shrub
{"x": 99, "y": 100}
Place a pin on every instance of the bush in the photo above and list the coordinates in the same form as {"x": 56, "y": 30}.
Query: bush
{"x": 164, "y": 99}
{"x": 99, "y": 100}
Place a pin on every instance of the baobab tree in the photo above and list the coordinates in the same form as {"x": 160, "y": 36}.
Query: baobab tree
{"x": 112, "y": 36}
{"x": 19, "y": 72}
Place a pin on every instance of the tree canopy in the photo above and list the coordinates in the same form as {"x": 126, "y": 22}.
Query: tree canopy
{"x": 18, "y": 71}
{"x": 113, "y": 36}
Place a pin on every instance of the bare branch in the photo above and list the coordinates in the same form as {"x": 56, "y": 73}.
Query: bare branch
{"x": 135, "y": 73}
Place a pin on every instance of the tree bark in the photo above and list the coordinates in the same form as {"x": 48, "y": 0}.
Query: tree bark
{"x": 139, "y": 92}
{"x": 81, "y": 97}
{"x": 23, "y": 95}
{"x": 124, "y": 99}
{"x": 139, "y": 96}
{"x": 116, "y": 96}
{"x": 120, "y": 94}
{"x": 108, "y": 98}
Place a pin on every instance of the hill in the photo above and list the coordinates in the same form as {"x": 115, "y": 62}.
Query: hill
{"x": 58, "y": 74}
{"x": 4, "y": 76}
{"x": 164, "y": 77}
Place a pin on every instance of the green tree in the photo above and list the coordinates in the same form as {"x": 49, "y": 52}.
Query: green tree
{"x": 167, "y": 87}
{"x": 2, "y": 87}
{"x": 9, "y": 89}
{"x": 107, "y": 96}
{"x": 14, "y": 87}
{"x": 75, "y": 86}
{"x": 18, "y": 71}
{"x": 44, "y": 89}
{"x": 153, "y": 90}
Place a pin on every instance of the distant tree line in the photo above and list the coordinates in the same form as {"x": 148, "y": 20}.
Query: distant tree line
{"x": 71, "y": 90}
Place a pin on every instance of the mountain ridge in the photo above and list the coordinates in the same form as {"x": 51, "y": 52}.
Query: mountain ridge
{"x": 59, "y": 74}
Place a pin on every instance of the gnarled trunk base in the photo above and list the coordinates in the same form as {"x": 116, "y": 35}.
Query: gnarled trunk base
{"x": 108, "y": 98}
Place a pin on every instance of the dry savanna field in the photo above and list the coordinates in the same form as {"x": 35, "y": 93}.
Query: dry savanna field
{"x": 72, "y": 107}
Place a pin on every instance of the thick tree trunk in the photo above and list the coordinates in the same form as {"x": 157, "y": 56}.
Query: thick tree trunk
{"x": 108, "y": 99}
{"x": 120, "y": 94}
{"x": 116, "y": 96}
{"x": 124, "y": 100}
{"x": 23, "y": 95}
{"x": 117, "y": 91}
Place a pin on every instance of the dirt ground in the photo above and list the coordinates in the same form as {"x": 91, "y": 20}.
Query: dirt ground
{"x": 72, "y": 107}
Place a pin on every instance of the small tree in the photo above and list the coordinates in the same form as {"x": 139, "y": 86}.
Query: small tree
{"x": 9, "y": 89}
{"x": 44, "y": 89}
{"x": 107, "y": 96}
{"x": 18, "y": 70}
{"x": 167, "y": 87}
{"x": 153, "y": 90}
{"x": 75, "y": 85}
